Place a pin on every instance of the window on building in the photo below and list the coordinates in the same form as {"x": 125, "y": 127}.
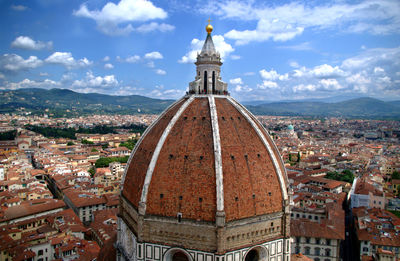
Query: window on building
{"x": 317, "y": 251}
{"x": 328, "y": 242}
{"x": 307, "y": 250}
{"x": 179, "y": 256}
{"x": 297, "y": 249}
{"x": 307, "y": 240}
{"x": 40, "y": 252}
{"x": 365, "y": 249}
{"x": 252, "y": 255}
{"x": 327, "y": 252}
{"x": 297, "y": 239}
{"x": 317, "y": 241}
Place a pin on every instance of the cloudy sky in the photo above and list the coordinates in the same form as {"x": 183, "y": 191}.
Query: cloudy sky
{"x": 272, "y": 50}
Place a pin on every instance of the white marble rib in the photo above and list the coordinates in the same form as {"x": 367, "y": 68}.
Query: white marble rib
{"x": 217, "y": 154}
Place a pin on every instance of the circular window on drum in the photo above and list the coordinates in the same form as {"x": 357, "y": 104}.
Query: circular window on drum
{"x": 177, "y": 254}
{"x": 258, "y": 253}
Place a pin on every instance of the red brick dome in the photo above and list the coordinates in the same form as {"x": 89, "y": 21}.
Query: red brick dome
{"x": 206, "y": 154}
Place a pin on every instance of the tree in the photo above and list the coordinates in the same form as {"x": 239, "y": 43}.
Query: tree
{"x": 298, "y": 156}
{"x": 130, "y": 144}
{"x": 346, "y": 176}
{"x": 290, "y": 157}
{"x": 395, "y": 175}
{"x": 8, "y": 135}
{"x": 105, "y": 162}
{"x": 70, "y": 143}
{"x": 87, "y": 142}
{"x": 92, "y": 171}
{"x": 94, "y": 150}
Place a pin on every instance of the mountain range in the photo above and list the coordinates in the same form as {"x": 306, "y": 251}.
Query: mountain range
{"x": 60, "y": 102}
{"x": 64, "y": 102}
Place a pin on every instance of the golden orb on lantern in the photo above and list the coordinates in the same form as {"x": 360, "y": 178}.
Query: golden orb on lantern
{"x": 209, "y": 27}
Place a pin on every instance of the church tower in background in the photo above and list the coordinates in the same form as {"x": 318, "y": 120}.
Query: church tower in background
{"x": 205, "y": 182}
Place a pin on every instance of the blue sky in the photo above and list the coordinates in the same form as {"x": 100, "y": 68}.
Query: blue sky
{"x": 272, "y": 50}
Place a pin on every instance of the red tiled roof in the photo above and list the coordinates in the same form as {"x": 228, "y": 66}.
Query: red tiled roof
{"x": 29, "y": 208}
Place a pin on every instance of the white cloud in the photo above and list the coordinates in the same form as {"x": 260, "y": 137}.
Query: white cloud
{"x": 153, "y": 26}
{"x": 305, "y": 46}
{"x": 294, "y": 64}
{"x": 330, "y": 84}
{"x": 236, "y": 81}
{"x": 27, "y": 83}
{"x": 153, "y": 55}
{"x": 266, "y": 30}
{"x": 286, "y": 21}
{"x": 108, "y": 66}
{"x": 132, "y": 59}
{"x": 375, "y": 72}
{"x": 235, "y": 57}
{"x": 95, "y": 81}
{"x": 267, "y": 85}
{"x": 240, "y": 88}
{"x": 150, "y": 64}
{"x": 319, "y": 71}
{"x": 304, "y": 87}
{"x": 2, "y": 76}
{"x": 166, "y": 93}
{"x": 106, "y": 58}
{"x": 249, "y": 73}
{"x": 358, "y": 78}
{"x": 161, "y": 72}
{"x": 112, "y": 19}
{"x": 273, "y": 75}
{"x": 221, "y": 46}
{"x": 43, "y": 74}
{"x": 68, "y": 77}
{"x": 25, "y": 42}
{"x": 128, "y": 90}
{"x": 385, "y": 79}
{"x": 373, "y": 57}
{"x": 66, "y": 59}
{"x": 326, "y": 70}
{"x": 18, "y": 7}
{"x": 14, "y": 62}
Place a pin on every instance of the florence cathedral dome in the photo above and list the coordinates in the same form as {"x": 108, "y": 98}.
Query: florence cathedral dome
{"x": 205, "y": 181}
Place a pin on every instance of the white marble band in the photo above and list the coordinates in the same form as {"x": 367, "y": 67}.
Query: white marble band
{"x": 217, "y": 154}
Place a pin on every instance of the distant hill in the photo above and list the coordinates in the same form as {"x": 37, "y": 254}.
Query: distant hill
{"x": 354, "y": 108}
{"x": 63, "y": 102}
